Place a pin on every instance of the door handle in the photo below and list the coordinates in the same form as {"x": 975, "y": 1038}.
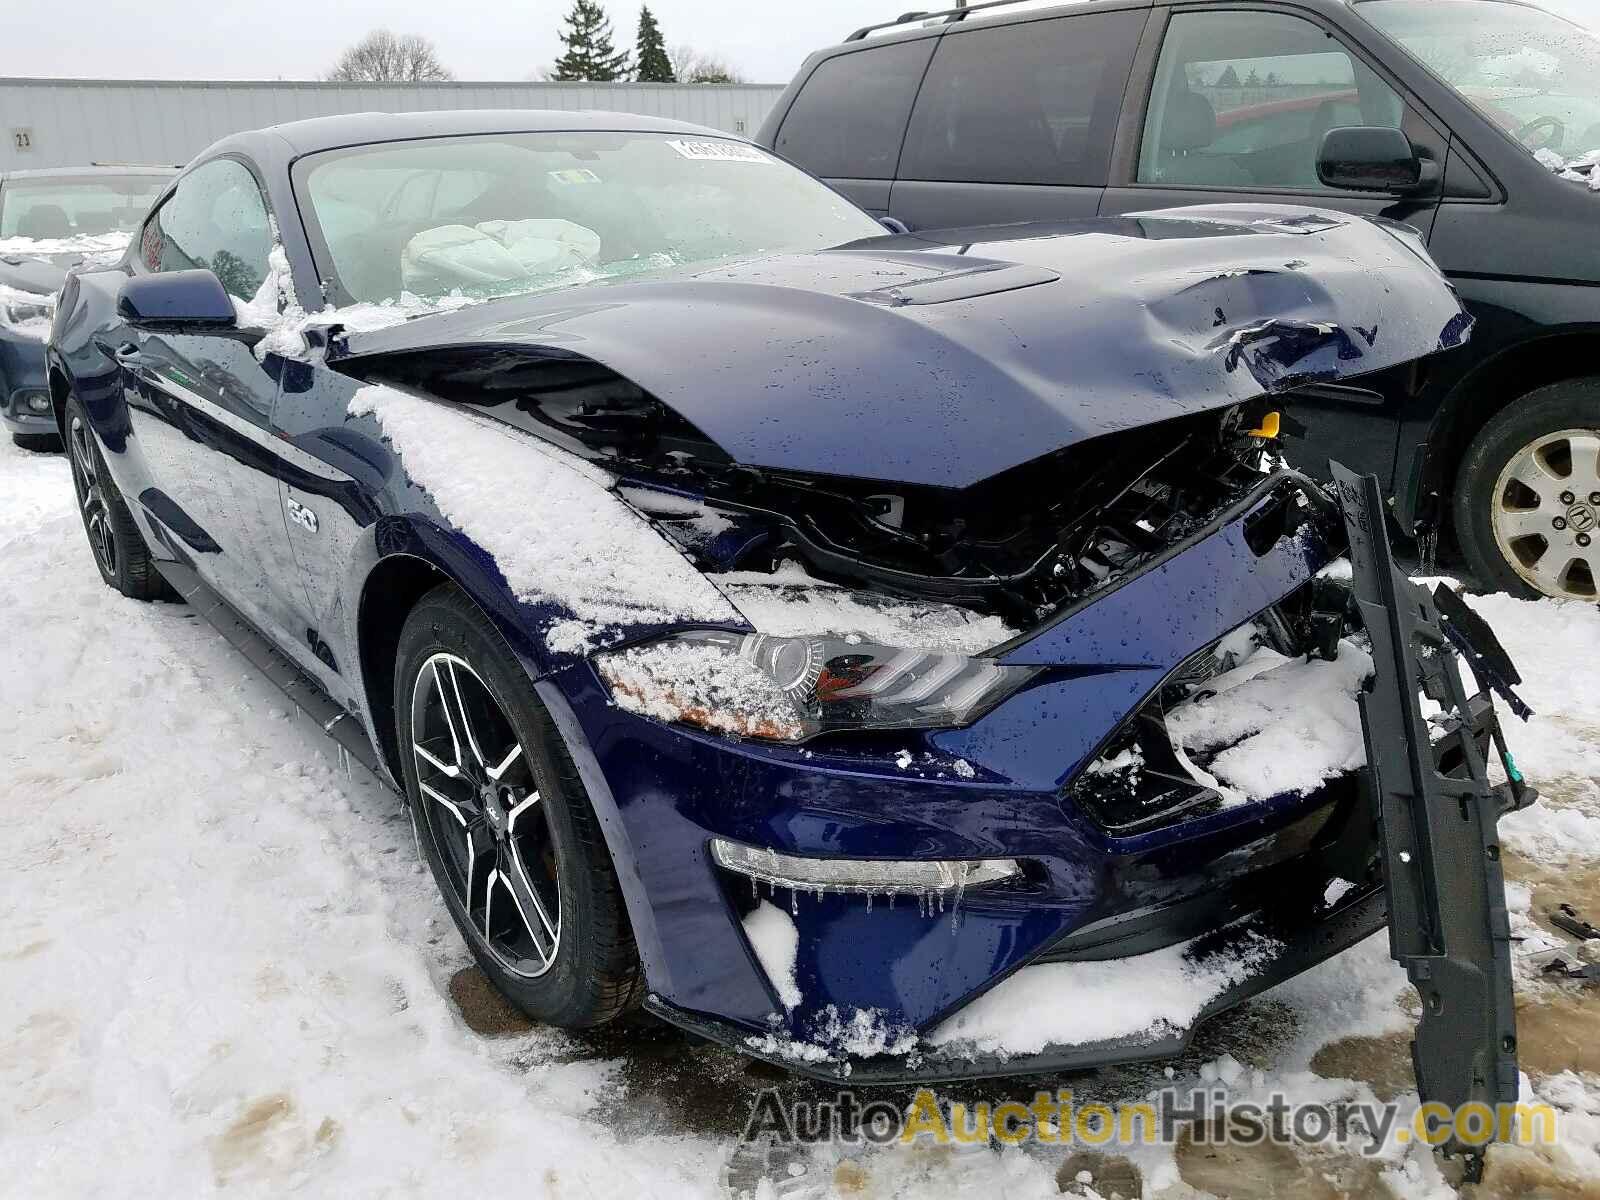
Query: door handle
{"x": 128, "y": 352}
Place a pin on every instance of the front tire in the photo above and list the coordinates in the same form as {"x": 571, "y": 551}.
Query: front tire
{"x": 115, "y": 540}
{"x": 505, "y": 823}
{"x": 1527, "y": 501}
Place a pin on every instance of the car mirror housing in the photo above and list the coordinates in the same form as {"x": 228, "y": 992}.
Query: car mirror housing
{"x": 187, "y": 298}
{"x": 1372, "y": 158}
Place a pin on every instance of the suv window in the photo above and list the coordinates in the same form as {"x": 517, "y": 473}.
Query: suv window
{"x": 216, "y": 219}
{"x": 850, "y": 115}
{"x": 1242, "y": 100}
{"x": 1034, "y": 102}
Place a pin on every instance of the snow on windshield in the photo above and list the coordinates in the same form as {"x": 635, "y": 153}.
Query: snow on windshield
{"x": 1579, "y": 170}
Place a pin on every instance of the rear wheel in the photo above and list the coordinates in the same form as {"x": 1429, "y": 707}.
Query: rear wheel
{"x": 118, "y": 545}
{"x": 1527, "y": 503}
{"x": 505, "y": 823}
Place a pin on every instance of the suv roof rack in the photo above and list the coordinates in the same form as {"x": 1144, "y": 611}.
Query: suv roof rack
{"x": 958, "y": 13}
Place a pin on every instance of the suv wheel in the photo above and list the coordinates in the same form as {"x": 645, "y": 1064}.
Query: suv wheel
{"x": 505, "y": 824}
{"x": 118, "y": 545}
{"x": 1527, "y": 502}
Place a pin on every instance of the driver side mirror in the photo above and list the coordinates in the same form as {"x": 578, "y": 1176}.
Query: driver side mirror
{"x": 1373, "y": 158}
{"x": 194, "y": 299}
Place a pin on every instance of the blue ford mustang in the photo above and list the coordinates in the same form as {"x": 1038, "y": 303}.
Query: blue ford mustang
{"x": 835, "y": 641}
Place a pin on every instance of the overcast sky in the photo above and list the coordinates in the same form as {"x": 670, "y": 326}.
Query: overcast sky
{"x": 477, "y": 39}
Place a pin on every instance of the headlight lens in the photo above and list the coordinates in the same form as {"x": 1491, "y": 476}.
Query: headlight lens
{"x": 25, "y": 308}
{"x": 792, "y": 688}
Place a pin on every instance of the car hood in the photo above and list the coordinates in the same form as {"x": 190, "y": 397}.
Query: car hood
{"x": 943, "y": 359}
{"x": 41, "y": 275}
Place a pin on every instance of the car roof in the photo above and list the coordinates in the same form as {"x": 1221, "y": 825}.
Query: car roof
{"x": 99, "y": 169}
{"x": 355, "y": 129}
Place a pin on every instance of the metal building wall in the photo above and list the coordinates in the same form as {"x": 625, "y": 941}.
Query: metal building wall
{"x": 75, "y": 122}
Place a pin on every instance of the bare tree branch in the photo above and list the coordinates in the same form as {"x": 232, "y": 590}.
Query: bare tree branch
{"x": 385, "y": 57}
{"x": 697, "y": 66}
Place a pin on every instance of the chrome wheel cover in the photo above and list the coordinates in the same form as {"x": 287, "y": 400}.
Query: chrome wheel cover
{"x": 1546, "y": 513}
{"x": 483, "y": 810}
{"x": 92, "y": 497}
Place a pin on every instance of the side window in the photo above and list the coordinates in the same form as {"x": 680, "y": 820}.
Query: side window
{"x": 215, "y": 219}
{"x": 1035, "y": 102}
{"x": 1242, "y": 99}
{"x": 849, "y": 118}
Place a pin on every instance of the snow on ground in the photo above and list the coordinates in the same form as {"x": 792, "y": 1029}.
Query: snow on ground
{"x": 222, "y": 967}
{"x": 223, "y": 970}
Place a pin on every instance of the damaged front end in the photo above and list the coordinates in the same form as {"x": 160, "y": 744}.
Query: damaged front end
{"x": 1049, "y": 728}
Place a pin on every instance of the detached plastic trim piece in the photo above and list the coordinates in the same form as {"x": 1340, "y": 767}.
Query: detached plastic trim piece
{"x": 1441, "y": 857}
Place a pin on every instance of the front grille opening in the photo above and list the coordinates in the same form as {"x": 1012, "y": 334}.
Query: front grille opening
{"x": 1143, "y": 778}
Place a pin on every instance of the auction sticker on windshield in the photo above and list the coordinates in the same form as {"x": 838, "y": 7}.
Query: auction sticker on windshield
{"x": 719, "y": 151}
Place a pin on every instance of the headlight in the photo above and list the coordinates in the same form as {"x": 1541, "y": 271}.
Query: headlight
{"x": 22, "y": 308}
{"x": 792, "y": 688}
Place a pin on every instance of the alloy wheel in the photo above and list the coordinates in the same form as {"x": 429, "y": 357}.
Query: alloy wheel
{"x": 1546, "y": 515}
{"x": 483, "y": 810}
{"x": 92, "y": 498}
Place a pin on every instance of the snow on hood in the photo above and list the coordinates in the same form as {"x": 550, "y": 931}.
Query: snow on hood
{"x": 601, "y": 561}
{"x": 95, "y": 249}
{"x": 1581, "y": 169}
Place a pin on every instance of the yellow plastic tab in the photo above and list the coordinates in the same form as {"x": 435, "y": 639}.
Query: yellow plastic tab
{"x": 1268, "y": 428}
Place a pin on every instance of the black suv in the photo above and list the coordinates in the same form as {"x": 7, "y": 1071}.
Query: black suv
{"x": 1471, "y": 120}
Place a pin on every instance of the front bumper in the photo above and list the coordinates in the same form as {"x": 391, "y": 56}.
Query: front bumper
{"x": 884, "y": 986}
{"x": 22, "y": 379}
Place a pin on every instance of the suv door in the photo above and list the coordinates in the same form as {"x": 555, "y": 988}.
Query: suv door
{"x": 1235, "y": 107}
{"x": 846, "y": 123}
{"x": 1014, "y": 121}
{"x": 201, "y": 403}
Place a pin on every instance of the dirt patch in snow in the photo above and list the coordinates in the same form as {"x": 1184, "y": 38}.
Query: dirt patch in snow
{"x": 1381, "y": 1062}
{"x": 269, "y": 1139}
{"x": 486, "y": 1012}
{"x": 1269, "y": 1170}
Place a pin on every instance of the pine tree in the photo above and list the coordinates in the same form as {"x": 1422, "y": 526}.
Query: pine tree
{"x": 589, "y": 55}
{"x": 650, "y": 53}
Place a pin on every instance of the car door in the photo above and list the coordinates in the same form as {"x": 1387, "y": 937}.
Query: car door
{"x": 1014, "y": 121}
{"x": 201, "y": 402}
{"x": 1230, "y": 105}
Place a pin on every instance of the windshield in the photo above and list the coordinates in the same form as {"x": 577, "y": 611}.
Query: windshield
{"x": 64, "y": 206}
{"x": 1532, "y": 73}
{"x": 513, "y": 213}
